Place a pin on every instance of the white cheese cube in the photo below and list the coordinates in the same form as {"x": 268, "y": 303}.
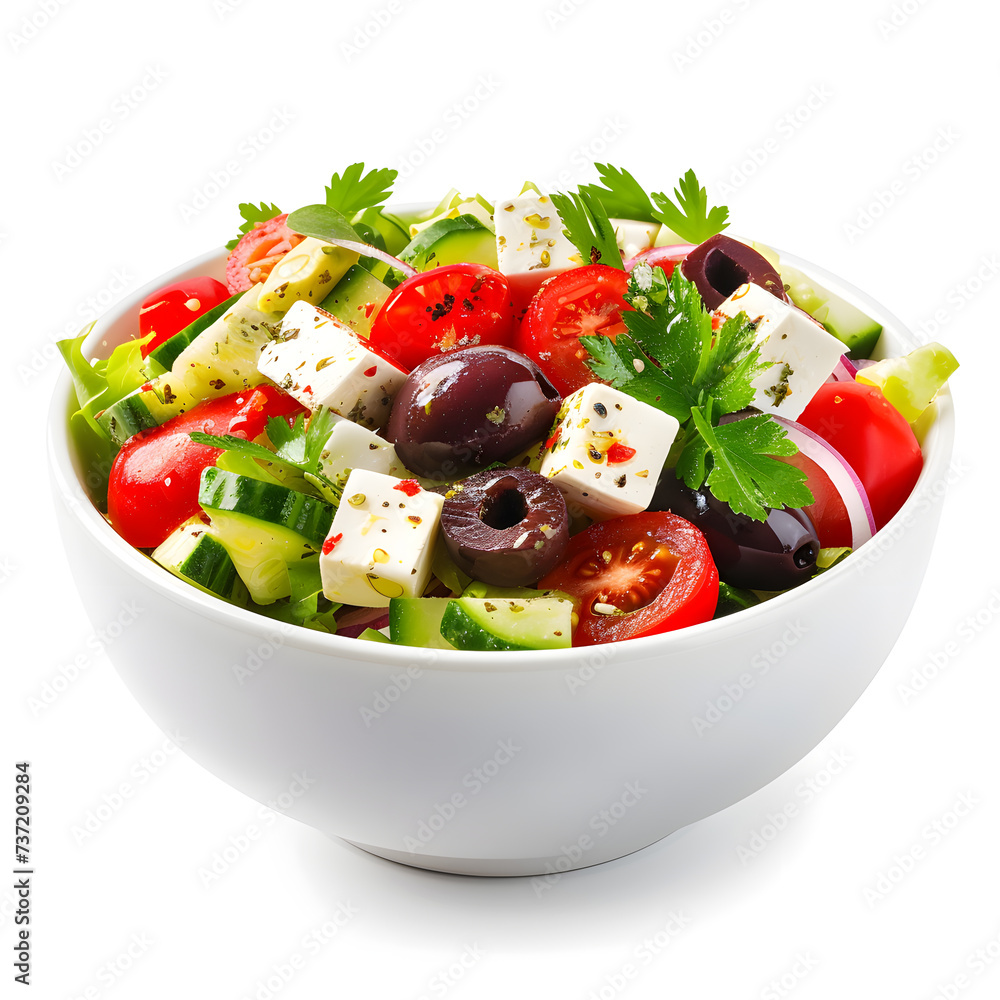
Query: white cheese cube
{"x": 530, "y": 237}
{"x": 381, "y": 543}
{"x": 607, "y": 451}
{"x": 351, "y": 446}
{"x": 801, "y": 355}
{"x": 633, "y": 237}
{"x": 322, "y": 362}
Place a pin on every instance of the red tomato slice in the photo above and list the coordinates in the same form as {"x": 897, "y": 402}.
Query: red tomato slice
{"x": 580, "y": 302}
{"x": 874, "y": 439}
{"x": 168, "y": 310}
{"x": 441, "y": 310}
{"x": 258, "y": 251}
{"x": 666, "y": 258}
{"x": 655, "y": 567}
{"x": 153, "y": 486}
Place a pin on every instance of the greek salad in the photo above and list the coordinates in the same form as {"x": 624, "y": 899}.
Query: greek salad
{"x": 549, "y": 420}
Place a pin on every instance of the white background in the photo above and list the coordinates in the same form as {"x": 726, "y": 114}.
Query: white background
{"x": 807, "y": 120}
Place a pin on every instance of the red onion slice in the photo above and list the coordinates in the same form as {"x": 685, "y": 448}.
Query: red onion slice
{"x": 369, "y": 251}
{"x": 845, "y": 370}
{"x": 352, "y": 623}
{"x": 843, "y": 477}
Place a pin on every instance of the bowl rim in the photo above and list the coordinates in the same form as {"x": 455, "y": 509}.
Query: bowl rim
{"x": 937, "y": 449}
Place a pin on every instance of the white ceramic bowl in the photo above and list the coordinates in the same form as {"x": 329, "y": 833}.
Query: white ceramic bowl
{"x": 498, "y": 763}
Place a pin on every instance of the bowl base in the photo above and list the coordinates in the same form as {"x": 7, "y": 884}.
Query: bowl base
{"x": 547, "y": 868}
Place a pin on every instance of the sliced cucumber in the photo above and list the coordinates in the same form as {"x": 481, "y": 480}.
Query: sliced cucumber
{"x": 452, "y": 241}
{"x": 309, "y": 518}
{"x": 479, "y": 589}
{"x": 193, "y": 554}
{"x": 846, "y": 322}
{"x": 392, "y": 232}
{"x": 501, "y": 624}
{"x": 372, "y": 635}
{"x": 306, "y": 272}
{"x": 356, "y": 299}
{"x": 416, "y": 621}
{"x": 223, "y": 357}
{"x": 165, "y": 398}
{"x": 166, "y": 354}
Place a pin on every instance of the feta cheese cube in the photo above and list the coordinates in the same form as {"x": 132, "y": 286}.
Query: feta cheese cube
{"x": 381, "y": 543}
{"x": 607, "y": 451}
{"x": 633, "y": 237}
{"x": 530, "y": 237}
{"x": 322, "y": 362}
{"x": 801, "y": 355}
{"x": 351, "y": 446}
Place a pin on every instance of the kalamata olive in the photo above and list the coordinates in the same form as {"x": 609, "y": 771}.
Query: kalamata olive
{"x": 774, "y": 554}
{"x": 460, "y": 411}
{"x": 720, "y": 265}
{"x": 508, "y": 527}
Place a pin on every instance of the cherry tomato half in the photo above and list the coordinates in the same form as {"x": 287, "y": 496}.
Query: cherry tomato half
{"x": 583, "y": 301}
{"x": 666, "y": 258}
{"x": 258, "y": 251}
{"x": 168, "y": 310}
{"x": 441, "y": 310}
{"x": 655, "y": 567}
{"x": 874, "y": 438}
{"x": 153, "y": 486}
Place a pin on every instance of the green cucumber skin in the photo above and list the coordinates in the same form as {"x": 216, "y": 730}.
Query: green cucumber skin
{"x": 209, "y": 566}
{"x": 465, "y": 633}
{"x": 357, "y": 286}
{"x": 416, "y": 621}
{"x": 166, "y": 354}
{"x": 267, "y": 502}
{"x": 426, "y": 249}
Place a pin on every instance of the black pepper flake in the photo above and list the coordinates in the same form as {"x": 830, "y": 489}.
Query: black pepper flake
{"x": 600, "y": 409}
{"x": 594, "y": 454}
{"x": 441, "y": 309}
{"x": 620, "y": 481}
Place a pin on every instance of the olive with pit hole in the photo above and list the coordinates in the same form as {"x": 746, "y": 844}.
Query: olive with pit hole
{"x": 506, "y": 527}
{"x": 720, "y": 265}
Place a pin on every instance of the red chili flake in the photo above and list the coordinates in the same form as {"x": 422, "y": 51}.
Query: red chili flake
{"x": 717, "y": 319}
{"x": 619, "y": 453}
{"x": 329, "y": 544}
{"x": 408, "y": 486}
{"x": 370, "y": 372}
{"x": 146, "y": 388}
{"x": 555, "y": 437}
{"x": 308, "y": 389}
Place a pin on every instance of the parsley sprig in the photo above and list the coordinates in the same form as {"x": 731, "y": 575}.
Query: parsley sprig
{"x": 672, "y": 359}
{"x": 586, "y": 222}
{"x": 347, "y": 194}
{"x": 687, "y": 214}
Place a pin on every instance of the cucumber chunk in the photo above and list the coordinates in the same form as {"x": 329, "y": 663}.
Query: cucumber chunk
{"x": 165, "y": 398}
{"x": 502, "y": 624}
{"x": 166, "y": 354}
{"x": 223, "y": 357}
{"x": 373, "y": 635}
{"x": 846, "y": 322}
{"x": 264, "y": 528}
{"x": 193, "y": 554}
{"x": 416, "y": 621}
{"x": 356, "y": 298}
{"x": 452, "y": 241}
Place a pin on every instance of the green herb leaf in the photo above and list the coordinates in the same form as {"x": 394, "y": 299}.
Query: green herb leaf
{"x": 587, "y": 226}
{"x": 252, "y": 214}
{"x": 689, "y": 217}
{"x": 622, "y": 196}
{"x": 744, "y": 474}
{"x": 323, "y": 222}
{"x": 352, "y": 192}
